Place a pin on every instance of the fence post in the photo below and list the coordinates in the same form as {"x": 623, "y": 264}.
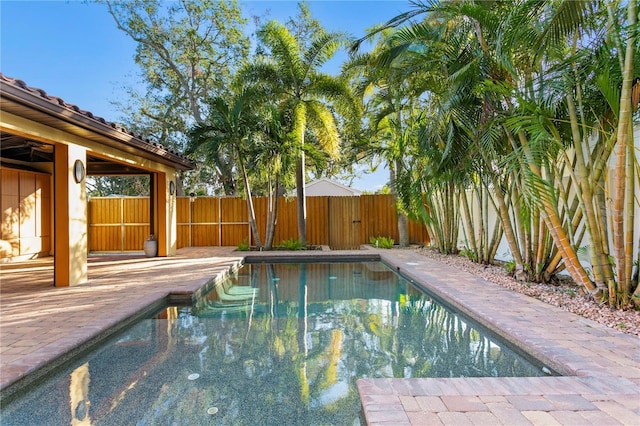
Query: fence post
{"x": 122, "y": 228}
{"x": 219, "y": 221}
{"x": 191, "y": 201}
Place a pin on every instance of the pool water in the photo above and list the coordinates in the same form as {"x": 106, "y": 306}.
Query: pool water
{"x": 288, "y": 353}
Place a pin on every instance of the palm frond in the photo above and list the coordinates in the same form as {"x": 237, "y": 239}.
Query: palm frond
{"x": 323, "y": 48}
{"x": 283, "y": 48}
{"x": 610, "y": 91}
{"x": 420, "y": 7}
{"x": 568, "y": 17}
{"x": 299, "y": 123}
{"x": 322, "y": 122}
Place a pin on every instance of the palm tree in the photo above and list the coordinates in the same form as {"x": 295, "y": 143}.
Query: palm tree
{"x": 446, "y": 57}
{"x": 390, "y": 98}
{"x": 231, "y": 125}
{"x": 546, "y": 75}
{"x": 625, "y": 176}
{"x": 271, "y": 160}
{"x": 291, "y": 73}
{"x": 594, "y": 84}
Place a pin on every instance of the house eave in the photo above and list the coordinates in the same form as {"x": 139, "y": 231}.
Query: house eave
{"x": 35, "y": 104}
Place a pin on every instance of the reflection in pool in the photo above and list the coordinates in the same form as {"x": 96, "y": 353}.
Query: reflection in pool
{"x": 275, "y": 344}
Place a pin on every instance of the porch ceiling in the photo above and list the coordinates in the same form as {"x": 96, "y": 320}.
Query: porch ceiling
{"x": 20, "y": 151}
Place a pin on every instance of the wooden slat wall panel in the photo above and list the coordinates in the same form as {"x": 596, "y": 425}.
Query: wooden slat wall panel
{"x": 105, "y": 211}
{"x": 182, "y": 237}
{"x": 235, "y": 225}
{"x": 135, "y": 214}
{"x": 379, "y": 217}
{"x": 287, "y": 224}
{"x": 135, "y": 236}
{"x": 29, "y": 242}
{"x": 234, "y": 210}
{"x": 25, "y": 199}
{"x": 10, "y": 204}
{"x": 105, "y": 224}
{"x": 10, "y": 182}
{"x": 344, "y": 217}
{"x": 317, "y": 220}
{"x": 43, "y": 204}
{"x": 233, "y": 235}
{"x": 43, "y": 211}
{"x": 182, "y": 218}
{"x": 205, "y": 210}
{"x": 182, "y": 209}
{"x": 205, "y": 235}
{"x": 418, "y": 234}
{"x": 224, "y": 221}
{"x": 27, "y": 207}
{"x": 135, "y": 210}
{"x": 105, "y": 238}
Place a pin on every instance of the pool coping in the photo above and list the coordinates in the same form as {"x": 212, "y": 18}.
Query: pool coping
{"x": 604, "y": 363}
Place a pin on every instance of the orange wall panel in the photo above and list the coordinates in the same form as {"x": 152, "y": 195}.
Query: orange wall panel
{"x": 10, "y": 184}
{"x": 25, "y": 202}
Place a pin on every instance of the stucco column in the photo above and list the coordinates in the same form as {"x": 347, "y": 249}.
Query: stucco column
{"x": 165, "y": 213}
{"x": 171, "y": 215}
{"x": 70, "y": 216}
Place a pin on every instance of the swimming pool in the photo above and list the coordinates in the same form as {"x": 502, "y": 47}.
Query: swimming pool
{"x": 288, "y": 352}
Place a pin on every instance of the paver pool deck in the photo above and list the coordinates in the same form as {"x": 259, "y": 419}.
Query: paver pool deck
{"x": 599, "y": 366}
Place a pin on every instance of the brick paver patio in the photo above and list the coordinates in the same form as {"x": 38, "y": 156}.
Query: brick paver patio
{"x": 601, "y": 384}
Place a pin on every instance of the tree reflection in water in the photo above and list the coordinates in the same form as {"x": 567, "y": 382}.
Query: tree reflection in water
{"x": 291, "y": 355}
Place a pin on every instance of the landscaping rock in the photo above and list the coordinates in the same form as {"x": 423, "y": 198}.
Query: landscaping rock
{"x": 566, "y": 295}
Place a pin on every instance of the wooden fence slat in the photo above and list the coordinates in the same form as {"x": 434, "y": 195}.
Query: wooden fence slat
{"x": 317, "y": 220}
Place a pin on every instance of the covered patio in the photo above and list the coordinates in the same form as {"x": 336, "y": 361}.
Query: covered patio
{"x": 48, "y": 148}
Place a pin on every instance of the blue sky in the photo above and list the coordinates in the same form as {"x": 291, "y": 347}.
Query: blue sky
{"x": 73, "y": 50}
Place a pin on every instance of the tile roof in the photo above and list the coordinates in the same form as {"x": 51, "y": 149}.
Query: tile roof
{"x": 140, "y": 141}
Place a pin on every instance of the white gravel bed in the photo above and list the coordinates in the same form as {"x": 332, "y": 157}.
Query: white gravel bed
{"x": 567, "y": 296}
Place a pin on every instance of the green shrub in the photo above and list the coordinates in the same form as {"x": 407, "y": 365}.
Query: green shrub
{"x": 291, "y": 244}
{"x": 510, "y": 266}
{"x": 243, "y": 246}
{"x": 469, "y": 254}
{"x": 382, "y": 242}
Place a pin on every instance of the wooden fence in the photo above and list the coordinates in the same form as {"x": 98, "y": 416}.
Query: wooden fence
{"x": 122, "y": 224}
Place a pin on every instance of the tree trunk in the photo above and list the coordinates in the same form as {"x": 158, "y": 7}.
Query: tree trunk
{"x": 635, "y": 299}
{"x": 468, "y": 225}
{"x": 252, "y": 214}
{"x": 403, "y": 230}
{"x": 625, "y": 137}
{"x": 585, "y": 195}
{"x": 509, "y": 234}
{"x": 403, "y": 222}
{"x": 301, "y": 200}
{"x": 273, "y": 214}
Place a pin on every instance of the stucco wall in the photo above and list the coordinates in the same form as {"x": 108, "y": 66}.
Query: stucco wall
{"x": 503, "y": 252}
{"x": 325, "y": 188}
